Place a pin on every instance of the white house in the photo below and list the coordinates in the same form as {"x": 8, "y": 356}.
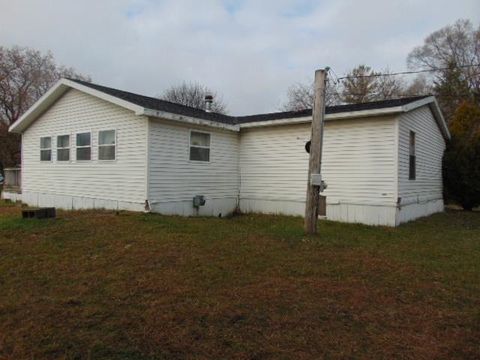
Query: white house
{"x": 89, "y": 146}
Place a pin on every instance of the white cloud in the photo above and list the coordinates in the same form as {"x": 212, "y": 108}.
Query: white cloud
{"x": 250, "y": 51}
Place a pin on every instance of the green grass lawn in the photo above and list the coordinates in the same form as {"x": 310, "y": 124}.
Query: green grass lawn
{"x": 100, "y": 285}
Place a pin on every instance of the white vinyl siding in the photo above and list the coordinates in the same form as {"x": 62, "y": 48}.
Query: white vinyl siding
{"x": 358, "y": 162}
{"x": 274, "y": 163}
{"x": 74, "y": 113}
{"x": 174, "y": 178}
{"x": 429, "y": 148}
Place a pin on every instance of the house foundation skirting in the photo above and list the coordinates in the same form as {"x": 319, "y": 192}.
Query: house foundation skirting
{"x": 213, "y": 207}
{"x": 69, "y": 202}
{"x": 11, "y": 195}
{"x": 417, "y": 210}
{"x": 353, "y": 213}
{"x": 386, "y": 215}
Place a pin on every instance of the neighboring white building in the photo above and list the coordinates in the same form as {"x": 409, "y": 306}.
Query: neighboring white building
{"x": 88, "y": 146}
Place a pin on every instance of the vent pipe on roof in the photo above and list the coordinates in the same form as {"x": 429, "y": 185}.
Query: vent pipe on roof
{"x": 208, "y": 102}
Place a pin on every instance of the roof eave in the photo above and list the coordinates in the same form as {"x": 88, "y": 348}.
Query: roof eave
{"x": 328, "y": 117}
{"x": 188, "y": 119}
{"x": 430, "y": 101}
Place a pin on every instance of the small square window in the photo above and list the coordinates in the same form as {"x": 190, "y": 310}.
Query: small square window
{"x": 199, "y": 154}
{"x": 46, "y": 142}
{"x": 83, "y": 139}
{"x": 46, "y": 155}
{"x": 84, "y": 153}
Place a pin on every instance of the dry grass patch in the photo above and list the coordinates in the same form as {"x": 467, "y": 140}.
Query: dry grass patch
{"x": 100, "y": 285}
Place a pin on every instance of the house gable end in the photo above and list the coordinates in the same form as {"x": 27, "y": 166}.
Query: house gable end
{"x": 55, "y": 93}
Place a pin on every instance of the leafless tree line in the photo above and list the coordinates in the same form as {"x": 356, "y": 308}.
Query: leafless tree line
{"x": 451, "y": 53}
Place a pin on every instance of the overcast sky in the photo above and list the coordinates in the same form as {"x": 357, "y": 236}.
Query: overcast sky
{"x": 249, "y": 51}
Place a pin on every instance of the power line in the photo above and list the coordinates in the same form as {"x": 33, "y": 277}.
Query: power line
{"x": 453, "y": 96}
{"x": 404, "y": 72}
{"x": 335, "y": 82}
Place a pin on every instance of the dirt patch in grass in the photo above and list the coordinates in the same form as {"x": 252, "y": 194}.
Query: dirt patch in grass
{"x": 102, "y": 285}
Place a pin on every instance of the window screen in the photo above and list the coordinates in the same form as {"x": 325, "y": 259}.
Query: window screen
{"x": 106, "y": 145}
{"x": 46, "y": 148}
{"x": 84, "y": 150}
{"x": 199, "y": 146}
{"x": 63, "y": 148}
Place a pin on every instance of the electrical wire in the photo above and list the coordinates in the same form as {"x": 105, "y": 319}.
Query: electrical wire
{"x": 404, "y": 72}
{"x": 415, "y": 95}
{"x": 335, "y": 82}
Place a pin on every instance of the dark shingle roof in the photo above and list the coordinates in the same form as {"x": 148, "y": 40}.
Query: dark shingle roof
{"x": 162, "y": 105}
{"x": 330, "y": 109}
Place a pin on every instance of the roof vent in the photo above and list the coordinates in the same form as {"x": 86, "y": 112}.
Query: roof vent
{"x": 208, "y": 102}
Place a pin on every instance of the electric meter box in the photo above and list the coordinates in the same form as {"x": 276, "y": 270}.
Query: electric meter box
{"x": 316, "y": 179}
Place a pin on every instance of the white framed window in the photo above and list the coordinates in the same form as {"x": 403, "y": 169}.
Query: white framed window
{"x": 107, "y": 142}
{"x": 199, "y": 146}
{"x": 84, "y": 146}
{"x": 63, "y": 148}
{"x": 46, "y": 148}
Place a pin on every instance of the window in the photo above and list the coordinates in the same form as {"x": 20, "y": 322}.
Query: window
{"x": 46, "y": 148}
{"x": 63, "y": 148}
{"x": 84, "y": 150}
{"x": 199, "y": 146}
{"x": 106, "y": 145}
{"x": 412, "y": 164}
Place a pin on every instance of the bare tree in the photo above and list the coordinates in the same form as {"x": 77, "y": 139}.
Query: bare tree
{"x": 25, "y": 75}
{"x": 300, "y": 96}
{"x": 418, "y": 86}
{"x": 389, "y": 86}
{"x": 454, "y": 45}
{"x": 193, "y": 95}
{"x": 363, "y": 84}
{"x": 359, "y": 85}
{"x": 456, "y": 50}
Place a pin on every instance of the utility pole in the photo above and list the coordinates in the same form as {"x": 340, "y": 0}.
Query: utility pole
{"x": 315, "y": 161}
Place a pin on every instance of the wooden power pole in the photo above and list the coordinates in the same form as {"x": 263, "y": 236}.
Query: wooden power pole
{"x": 315, "y": 162}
